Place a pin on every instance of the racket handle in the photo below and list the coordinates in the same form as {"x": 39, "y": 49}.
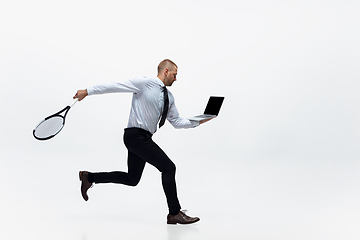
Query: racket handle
{"x": 73, "y": 102}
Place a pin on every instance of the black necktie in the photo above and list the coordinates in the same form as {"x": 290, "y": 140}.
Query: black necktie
{"x": 166, "y": 107}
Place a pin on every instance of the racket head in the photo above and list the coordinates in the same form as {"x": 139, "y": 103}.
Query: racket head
{"x": 49, "y": 127}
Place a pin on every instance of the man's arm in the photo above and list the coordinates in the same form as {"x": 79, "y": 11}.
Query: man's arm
{"x": 179, "y": 122}
{"x": 126, "y": 86}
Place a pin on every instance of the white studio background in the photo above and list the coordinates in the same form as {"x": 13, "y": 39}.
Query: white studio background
{"x": 280, "y": 162}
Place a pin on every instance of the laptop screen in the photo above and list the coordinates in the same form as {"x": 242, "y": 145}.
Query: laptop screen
{"x": 214, "y": 105}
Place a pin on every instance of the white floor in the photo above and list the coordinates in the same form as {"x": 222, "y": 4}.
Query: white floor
{"x": 243, "y": 201}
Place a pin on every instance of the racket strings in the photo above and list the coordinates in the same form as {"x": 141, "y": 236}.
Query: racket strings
{"x": 49, "y": 127}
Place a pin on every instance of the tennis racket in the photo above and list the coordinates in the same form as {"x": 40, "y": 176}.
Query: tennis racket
{"x": 53, "y": 124}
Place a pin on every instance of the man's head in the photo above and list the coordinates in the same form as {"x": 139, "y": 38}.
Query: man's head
{"x": 167, "y": 71}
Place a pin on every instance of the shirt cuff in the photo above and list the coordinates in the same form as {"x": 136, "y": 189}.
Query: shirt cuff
{"x": 195, "y": 123}
{"x": 90, "y": 91}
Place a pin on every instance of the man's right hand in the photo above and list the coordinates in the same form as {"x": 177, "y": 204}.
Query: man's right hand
{"x": 81, "y": 94}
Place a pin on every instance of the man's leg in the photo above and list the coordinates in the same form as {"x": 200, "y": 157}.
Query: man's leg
{"x": 131, "y": 178}
{"x": 144, "y": 147}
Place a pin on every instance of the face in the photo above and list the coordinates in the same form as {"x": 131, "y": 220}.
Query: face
{"x": 170, "y": 76}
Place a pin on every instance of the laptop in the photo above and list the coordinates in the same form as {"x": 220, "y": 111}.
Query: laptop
{"x": 212, "y": 109}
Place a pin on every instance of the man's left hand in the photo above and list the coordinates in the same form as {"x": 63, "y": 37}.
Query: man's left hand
{"x": 206, "y": 120}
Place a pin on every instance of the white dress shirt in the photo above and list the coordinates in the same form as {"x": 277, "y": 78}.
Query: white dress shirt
{"x": 147, "y": 103}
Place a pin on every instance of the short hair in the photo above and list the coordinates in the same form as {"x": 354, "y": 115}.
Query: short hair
{"x": 164, "y": 64}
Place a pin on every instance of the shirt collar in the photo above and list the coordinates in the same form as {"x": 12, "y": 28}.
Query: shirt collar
{"x": 160, "y": 82}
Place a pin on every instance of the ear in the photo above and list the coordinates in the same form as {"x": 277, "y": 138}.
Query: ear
{"x": 166, "y": 71}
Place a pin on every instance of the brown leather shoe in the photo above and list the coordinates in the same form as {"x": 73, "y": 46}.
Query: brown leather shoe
{"x": 85, "y": 184}
{"x": 181, "y": 218}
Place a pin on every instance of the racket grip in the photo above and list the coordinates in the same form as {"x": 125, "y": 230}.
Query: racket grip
{"x": 73, "y": 102}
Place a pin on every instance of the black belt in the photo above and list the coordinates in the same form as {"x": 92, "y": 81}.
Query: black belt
{"x": 135, "y": 129}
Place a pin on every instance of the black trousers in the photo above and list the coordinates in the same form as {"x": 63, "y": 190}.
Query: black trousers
{"x": 142, "y": 149}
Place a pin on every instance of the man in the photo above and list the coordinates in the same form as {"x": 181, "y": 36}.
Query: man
{"x": 151, "y": 102}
